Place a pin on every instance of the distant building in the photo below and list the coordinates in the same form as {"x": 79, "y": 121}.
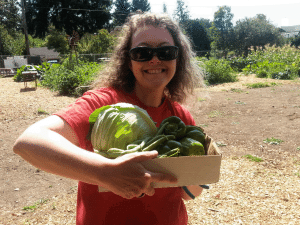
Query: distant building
{"x": 44, "y": 53}
{"x": 290, "y": 31}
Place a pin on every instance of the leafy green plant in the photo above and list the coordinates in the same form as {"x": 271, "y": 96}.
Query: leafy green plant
{"x": 69, "y": 75}
{"x": 253, "y": 158}
{"x": 41, "y": 111}
{"x": 273, "y": 141}
{"x": 219, "y": 71}
{"x": 260, "y": 85}
{"x": 35, "y": 205}
{"x": 215, "y": 113}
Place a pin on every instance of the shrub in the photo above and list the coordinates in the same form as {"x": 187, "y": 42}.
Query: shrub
{"x": 65, "y": 78}
{"x": 262, "y": 74}
{"x": 219, "y": 71}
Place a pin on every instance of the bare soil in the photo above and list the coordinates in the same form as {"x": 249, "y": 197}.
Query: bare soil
{"x": 238, "y": 118}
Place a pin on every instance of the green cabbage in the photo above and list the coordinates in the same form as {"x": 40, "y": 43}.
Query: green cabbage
{"x": 116, "y": 126}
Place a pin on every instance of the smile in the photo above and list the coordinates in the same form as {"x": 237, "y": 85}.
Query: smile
{"x": 155, "y": 71}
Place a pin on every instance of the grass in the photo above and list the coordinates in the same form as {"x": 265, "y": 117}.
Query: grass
{"x": 261, "y": 85}
{"x": 240, "y": 103}
{"x": 41, "y": 111}
{"x": 201, "y": 99}
{"x": 215, "y": 113}
{"x": 236, "y": 90}
{"x": 273, "y": 141}
{"x": 35, "y": 205}
{"x": 253, "y": 158}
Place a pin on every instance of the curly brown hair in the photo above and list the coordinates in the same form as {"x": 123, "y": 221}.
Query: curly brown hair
{"x": 118, "y": 73}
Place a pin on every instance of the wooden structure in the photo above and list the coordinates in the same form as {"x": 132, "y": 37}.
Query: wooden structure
{"x": 6, "y": 72}
{"x": 29, "y": 76}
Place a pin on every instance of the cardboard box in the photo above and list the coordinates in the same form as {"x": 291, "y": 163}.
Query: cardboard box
{"x": 189, "y": 170}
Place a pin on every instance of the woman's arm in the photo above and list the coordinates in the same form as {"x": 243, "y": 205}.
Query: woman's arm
{"x": 52, "y": 146}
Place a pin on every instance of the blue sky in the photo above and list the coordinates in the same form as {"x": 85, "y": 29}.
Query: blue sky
{"x": 278, "y": 12}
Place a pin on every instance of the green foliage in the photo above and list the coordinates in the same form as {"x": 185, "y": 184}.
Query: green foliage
{"x": 181, "y": 13}
{"x": 260, "y": 85}
{"x": 57, "y": 40}
{"x": 142, "y": 5}
{"x": 122, "y": 10}
{"x": 219, "y": 71}
{"x": 198, "y": 36}
{"x": 257, "y": 32}
{"x": 18, "y": 77}
{"x": 69, "y": 75}
{"x": 94, "y": 15}
{"x": 101, "y": 42}
{"x": 274, "y": 62}
{"x": 10, "y": 18}
{"x": 238, "y": 63}
{"x": 222, "y": 30}
{"x": 253, "y": 158}
{"x": 273, "y": 141}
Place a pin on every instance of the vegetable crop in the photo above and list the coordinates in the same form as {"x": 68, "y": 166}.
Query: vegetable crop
{"x": 123, "y": 128}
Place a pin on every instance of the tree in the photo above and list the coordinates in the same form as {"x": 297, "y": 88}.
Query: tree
{"x": 256, "y": 32}
{"x": 222, "y": 29}
{"x": 199, "y": 36}
{"x": 181, "y": 13}
{"x": 82, "y": 16}
{"x": 296, "y": 40}
{"x": 96, "y": 43}
{"x": 9, "y": 16}
{"x": 165, "y": 8}
{"x": 121, "y": 12}
{"x": 142, "y": 5}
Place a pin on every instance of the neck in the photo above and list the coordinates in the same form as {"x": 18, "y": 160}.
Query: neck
{"x": 149, "y": 97}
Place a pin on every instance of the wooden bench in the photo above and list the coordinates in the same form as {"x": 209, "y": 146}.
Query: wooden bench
{"x": 6, "y": 72}
{"x": 29, "y": 76}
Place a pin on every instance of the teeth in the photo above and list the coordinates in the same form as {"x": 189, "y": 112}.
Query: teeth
{"x": 154, "y": 71}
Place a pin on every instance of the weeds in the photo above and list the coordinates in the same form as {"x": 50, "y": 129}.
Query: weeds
{"x": 273, "y": 141}
{"x": 253, "y": 158}
{"x": 36, "y": 205}
{"x": 41, "y": 111}
{"x": 215, "y": 113}
{"x": 261, "y": 85}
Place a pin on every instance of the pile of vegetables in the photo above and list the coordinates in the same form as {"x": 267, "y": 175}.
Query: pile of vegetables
{"x": 123, "y": 128}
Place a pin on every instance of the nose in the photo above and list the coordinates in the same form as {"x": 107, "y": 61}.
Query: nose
{"x": 154, "y": 61}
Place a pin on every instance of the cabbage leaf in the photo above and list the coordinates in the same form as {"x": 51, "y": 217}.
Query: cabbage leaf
{"x": 116, "y": 126}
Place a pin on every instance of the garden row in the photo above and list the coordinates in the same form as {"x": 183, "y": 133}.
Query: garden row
{"x": 270, "y": 62}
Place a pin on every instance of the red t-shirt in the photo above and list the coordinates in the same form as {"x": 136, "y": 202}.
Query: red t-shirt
{"x": 164, "y": 207}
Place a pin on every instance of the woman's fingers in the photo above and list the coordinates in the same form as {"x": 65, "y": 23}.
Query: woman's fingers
{"x": 131, "y": 179}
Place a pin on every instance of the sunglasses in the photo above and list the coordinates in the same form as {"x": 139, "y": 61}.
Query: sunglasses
{"x": 165, "y": 53}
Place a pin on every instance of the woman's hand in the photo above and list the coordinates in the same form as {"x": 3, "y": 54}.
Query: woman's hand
{"x": 128, "y": 178}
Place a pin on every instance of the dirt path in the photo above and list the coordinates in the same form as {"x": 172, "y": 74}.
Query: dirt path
{"x": 238, "y": 118}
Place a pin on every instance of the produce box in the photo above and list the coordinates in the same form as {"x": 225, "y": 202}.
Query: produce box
{"x": 189, "y": 170}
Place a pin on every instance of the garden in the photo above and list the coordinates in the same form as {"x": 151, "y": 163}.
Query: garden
{"x": 250, "y": 107}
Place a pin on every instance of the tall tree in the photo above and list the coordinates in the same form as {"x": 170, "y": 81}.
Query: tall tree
{"x": 222, "y": 29}
{"x": 121, "y": 12}
{"x": 199, "y": 37}
{"x": 142, "y": 5}
{"x": 256, "y": 32}
{"x": 85, "y": 16}
{"x": 181, "y": 13}
{"x": 10, "y": 17}
{"x": 165, "y": 8}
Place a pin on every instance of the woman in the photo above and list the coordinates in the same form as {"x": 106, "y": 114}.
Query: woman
{"x": 152, "y": 68}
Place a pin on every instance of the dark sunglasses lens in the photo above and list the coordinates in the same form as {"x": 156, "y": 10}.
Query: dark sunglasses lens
{"x": 167, "y": 53}
{"x": 164, "y": 53}
{"x": 141, "y": 54}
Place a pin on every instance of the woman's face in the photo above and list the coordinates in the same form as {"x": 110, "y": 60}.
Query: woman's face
{"x": 154, "y": 74}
